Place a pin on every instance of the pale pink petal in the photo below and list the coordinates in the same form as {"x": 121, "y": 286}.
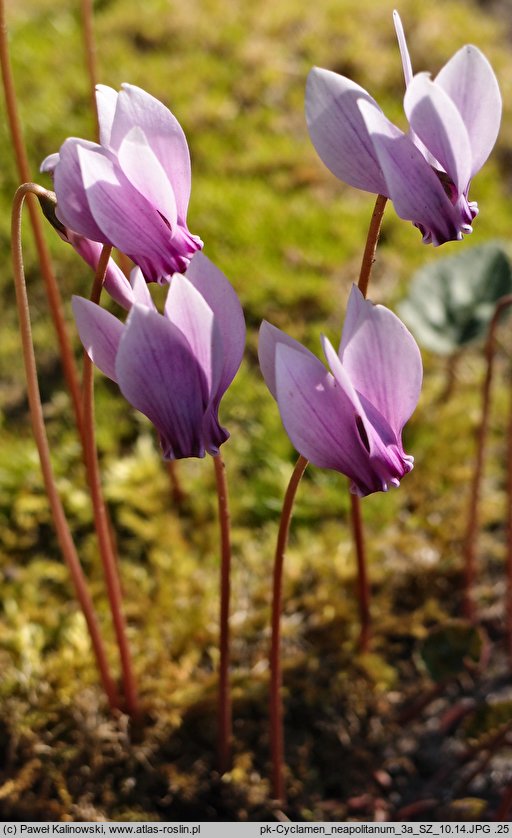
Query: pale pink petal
{"x": 220, "y": 295}
{"x": 164, "y": 134}
{"x": 269, "y": 339}
{"x": 72, "y": 204}
{"x": 106, "y": 101}
{"x": 187, "y": 309}
{"x": 471, "y": 83}
{"x": 144, "y": 171}
{"x": 381, "y": 359}
{"x": 319, "y": 418}
{"x": 435, "y": 119}
{"x": 158, "y": 375}
{"x": 339, "y": 132}
{"x": 100, "y": 333}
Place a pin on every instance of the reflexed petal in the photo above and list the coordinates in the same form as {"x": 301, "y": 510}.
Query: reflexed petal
{"x": 118, "y": 208}
{"x": 319, "y": 418}
{"x": 144, "y": 171}
{"x": 414, "y": 188}
{"x": 158, "y": 375}
{"x": 469, "y": 80}
{"x": 72, "y": 205}
{"x": 164, "y": 134}
{"x": 100, "y": 333}
{"x": 191, "y": 314}
{"x": 140, "y": 289}
{"x": 437, "y": 122}
{"x": 339, "y": 132}
{"x": 49, "y": 163}
{"x": 383, "y": 443}
{"x": 382, "y": 359}
{"x": 402, "y": 45}
{"x": 269, "y": 339}
{"x": 223, "y": 300}
{"x": 116, "y": 284}
{"x": 106, "y": 101}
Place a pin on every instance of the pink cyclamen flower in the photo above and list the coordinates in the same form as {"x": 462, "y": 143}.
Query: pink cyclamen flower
{"x": 176, "y": 366}
{"x": 349, "y": 418}
{"x": 131, "y": 190}
{"x": 454, "y": 122}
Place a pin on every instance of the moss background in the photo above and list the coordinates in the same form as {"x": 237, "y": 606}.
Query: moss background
{"x": 364, "y": 733}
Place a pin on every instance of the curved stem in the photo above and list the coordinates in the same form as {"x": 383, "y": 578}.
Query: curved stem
{"x": 90, "y": 57}
{"x": 276, "y": 704}
{"x": 474, "y": 498}
{"x": 101, "y": 520}
{"x": 51, "y": 287}
{"x": 61, "y": 525}
{"x": 224, "y": 708}
{"x": 372, "y": 240}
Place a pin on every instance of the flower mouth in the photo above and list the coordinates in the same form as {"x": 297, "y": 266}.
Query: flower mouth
{"x": 447, "y": 184}
{"x": 362, "y": 433}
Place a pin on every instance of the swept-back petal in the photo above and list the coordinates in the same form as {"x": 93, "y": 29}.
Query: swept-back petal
{"x": 164, "y": 134}
{"x": 116, "y": 284}
{"x": 269, "y": 338}
{"x": 187, "y": 309}
{"x": 383, "y": 443}
{"x": 118, "y": 209}
{"x": 220, "y": 295}
{"x": 415, "y": 189}
{"x": 402, "y": 46}
{"x": 73, "y": 207}
{"x": 100, "y": 333}
{"x": 159, "y": 376}
{"x": 106, "y": 102}
{"x": 140, "y": 289}
{"x": 319, "y": 418}
{"x": 339, "y": 132}
{"x": 469, "y": 80}
{"x": 436, "y": 120}
{"x": 145, "y": 172}
{"x": 49, "y": 163}
{"x": 382, "y": 359}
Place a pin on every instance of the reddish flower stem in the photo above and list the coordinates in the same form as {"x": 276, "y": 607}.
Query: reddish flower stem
{"x": 474, "y": 498}
{"x": 34, "y": 397}
{"x": 371, "y": 244}
{"x": 224, "y": 731}
{"x": 106, "y": 544}
{"x": 276, "y": 704}
{"x": 50, "y": 282}
{"x": 363, "y": 587}
{"x": 177, "y": 491}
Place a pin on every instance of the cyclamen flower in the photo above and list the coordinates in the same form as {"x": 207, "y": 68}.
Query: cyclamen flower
{"x": 454, "y": 122}
{"x": 176, "y": 366}
{"x": 132, "y": 190}
{"x": 349, "y": 418}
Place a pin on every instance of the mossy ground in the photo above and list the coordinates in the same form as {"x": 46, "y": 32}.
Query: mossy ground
{"x": 367, "y": 736}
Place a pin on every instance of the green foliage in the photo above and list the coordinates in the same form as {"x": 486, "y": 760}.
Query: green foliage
{"x": 451, "y": 301}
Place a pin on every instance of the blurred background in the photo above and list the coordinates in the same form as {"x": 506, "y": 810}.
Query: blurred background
{"x": 289, "y": 236}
